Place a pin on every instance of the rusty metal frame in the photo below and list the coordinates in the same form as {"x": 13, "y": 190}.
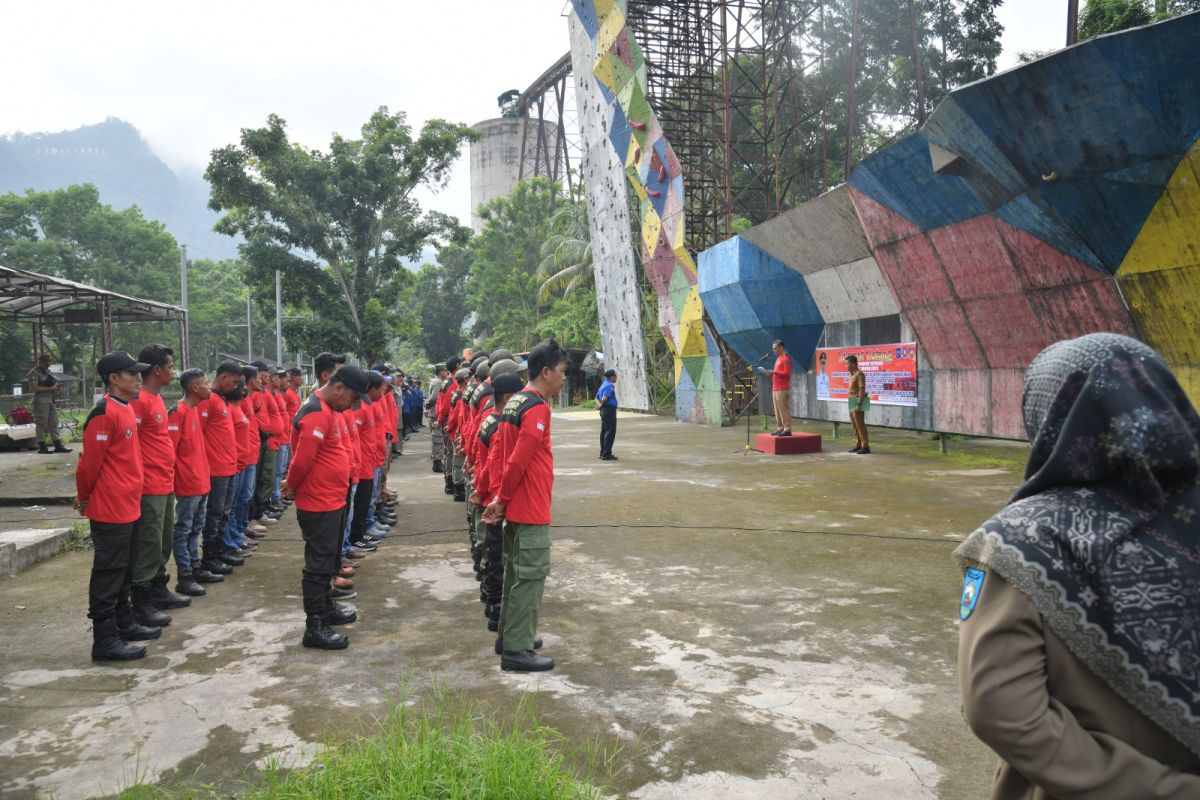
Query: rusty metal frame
{"x": 549, "y": 101}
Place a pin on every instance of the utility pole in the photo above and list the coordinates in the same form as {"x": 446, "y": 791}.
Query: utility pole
{"x": 278, "y": 321}
{"x": 1072, "y": 22}
{"x": 183, "y": 293}
{"x": 249, "y": 330}
{"x": 851, "y": 94}
{"x": 917, "y": 65}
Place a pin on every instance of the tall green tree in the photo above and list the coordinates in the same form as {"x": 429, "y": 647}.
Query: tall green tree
{"x": 1108, "y": 16}
{"x": 566, "y": 264}
{"x": 441, "y": 298}
{"x": 338, "y": 223}
{"x": 502, "y": 287}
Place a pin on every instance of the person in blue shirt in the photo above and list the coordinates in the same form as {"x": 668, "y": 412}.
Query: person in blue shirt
{"x": 606, "y": 401}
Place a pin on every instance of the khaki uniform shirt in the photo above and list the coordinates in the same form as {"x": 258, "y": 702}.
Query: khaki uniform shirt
{"x": 40, "y": 377}
{"x": 435, "y": 388}
{"x": 1060, "y": 731}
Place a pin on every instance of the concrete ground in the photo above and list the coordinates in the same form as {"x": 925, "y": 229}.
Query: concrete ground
{"x": 725, "y": 625}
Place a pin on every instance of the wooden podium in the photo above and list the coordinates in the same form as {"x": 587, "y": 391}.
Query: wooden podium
{"x": 788, "y": 445}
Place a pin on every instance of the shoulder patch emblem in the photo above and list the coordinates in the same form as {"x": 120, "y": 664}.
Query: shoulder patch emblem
{"x": 972, "y": 585}
{"x": 129, "y": 433}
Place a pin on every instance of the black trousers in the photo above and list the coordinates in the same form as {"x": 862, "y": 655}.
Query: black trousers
{"x": 322, "y": 533}
{"x": 110, "y": 565}
{"x": 362, "y": 504}
{"x": 493, "y": 575}
{"x": 608, "y": 429}
{"x": 216, "y": 515}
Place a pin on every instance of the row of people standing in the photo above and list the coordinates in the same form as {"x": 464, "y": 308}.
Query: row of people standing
{"x": 497, "y": 457}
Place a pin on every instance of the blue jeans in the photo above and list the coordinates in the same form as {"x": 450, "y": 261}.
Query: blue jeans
{"x": 243, "y": 491}
{"x": 281, "y": 464}
{"x": 370, "y": 522}
{"x": 189, "y": 524}
{"x": 349, "y": 517}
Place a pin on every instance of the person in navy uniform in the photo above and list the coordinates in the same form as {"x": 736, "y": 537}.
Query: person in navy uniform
{"x": 606, "y": 401}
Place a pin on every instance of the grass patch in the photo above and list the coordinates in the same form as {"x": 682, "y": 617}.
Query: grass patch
{"x": 443, "y": 749}
{"x": 81, "y": 539}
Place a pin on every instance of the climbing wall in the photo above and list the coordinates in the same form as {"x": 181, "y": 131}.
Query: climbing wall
{"x": 1054, "y": 200}
{"x": 656, "y": 177}
{"x": 617, "y": 298}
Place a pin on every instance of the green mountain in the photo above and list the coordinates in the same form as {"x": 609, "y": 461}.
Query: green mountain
{"x": 115, "y": 158}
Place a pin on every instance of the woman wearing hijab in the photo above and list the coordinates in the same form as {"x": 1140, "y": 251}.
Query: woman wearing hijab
{"x": 1079, "y": 647}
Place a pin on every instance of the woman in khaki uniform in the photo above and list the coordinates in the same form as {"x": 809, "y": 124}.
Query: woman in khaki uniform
{"x": 1079, "y": 647}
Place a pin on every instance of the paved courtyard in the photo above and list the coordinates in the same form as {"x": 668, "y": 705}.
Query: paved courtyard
{"x": 728, "y": 626}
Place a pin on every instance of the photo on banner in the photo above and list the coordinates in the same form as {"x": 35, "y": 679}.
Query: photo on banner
{"x": 890, "y": 369}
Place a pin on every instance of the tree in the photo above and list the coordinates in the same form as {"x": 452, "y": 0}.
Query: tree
{"x": 502, "y": 287}
{"x": 566, "y": 263}
{"x": 1107, "y": 16}
{"x": 338, "y": 223}
{"x": 441, "y": 299}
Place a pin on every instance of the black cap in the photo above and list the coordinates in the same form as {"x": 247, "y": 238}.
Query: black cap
{"x": 117, "y": 361}
{"x": 355, "y": 378}
{"x": 260, "y": 365}
{"x": 508, "y": 383}
{"x": 608, "y": 373}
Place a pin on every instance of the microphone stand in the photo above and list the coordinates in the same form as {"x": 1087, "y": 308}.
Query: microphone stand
{"x": 749, "y": 448}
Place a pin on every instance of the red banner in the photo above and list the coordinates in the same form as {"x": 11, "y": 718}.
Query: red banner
{"x": 890, "y": 369}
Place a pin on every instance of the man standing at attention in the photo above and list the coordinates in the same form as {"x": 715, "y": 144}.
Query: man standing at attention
{"x": 435, "y": 388}
{"x": 44, "y": 387}
{"x": 522, "y": 500}
{"x": 220, "y": 447}
{"x": 606, "y": 401}
{"x": 108, "y": 491}
{"x": 781, "y": 389}
{"x": 316, "y": 481}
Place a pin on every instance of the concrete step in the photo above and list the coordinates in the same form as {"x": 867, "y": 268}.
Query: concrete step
{"x": 22, "y": 548}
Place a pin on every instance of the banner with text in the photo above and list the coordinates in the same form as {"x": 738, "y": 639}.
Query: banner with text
{"x": 890, "y": 369}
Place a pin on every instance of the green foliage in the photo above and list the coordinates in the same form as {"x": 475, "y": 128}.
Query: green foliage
{"x": 566, "y": 264}
{"x": 572, "y": 320}
{"x": 441, "y": 301}
{"x": 502, "y": 287}
{"x": 337, "y": 223}
{"x": 1107, "y": 16}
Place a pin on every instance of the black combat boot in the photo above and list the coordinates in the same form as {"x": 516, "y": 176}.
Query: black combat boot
{"x": 144, "y": 610}
{"x": 460, "y": 493}
{"x": 216, "y": 566}
{"x": 537, "y": 645}
{"x": 188, "y": 585}
{"x": 318, "y": 634}
{"x": 129, "y": 628}
{"x": 201, "y": 575}
{"x": 524, "y": 661}
{"x": 437, "y": 466}
{"x": 107, "y": 644}
{"x": 338, "y": 614}
{"x": 60, "y": 448}
{"x": 162, "y": 597}
{"x": 449, "y": 483}
{"x": 494, "y": 618}
{"x": 43, "y": 449}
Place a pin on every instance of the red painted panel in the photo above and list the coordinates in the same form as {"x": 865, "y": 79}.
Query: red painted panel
{"x": 975, "y": 258}
{"x": 961, "y": 401}
{"x": 660, "y": 267}
{"x": 947, "y": 340}
{"x": 1041, "y": 264}
{"x": 1008, "y": 386}
{"x": 1080, "y": 308}
{"x": 913, "y": 271}
{"x": 1007, "y": 329}
{"x": 879, "y": 223}
{"x": 788, "y": 445}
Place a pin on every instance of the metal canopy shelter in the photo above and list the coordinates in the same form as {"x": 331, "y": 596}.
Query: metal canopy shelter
{"x": 41, "y": 298}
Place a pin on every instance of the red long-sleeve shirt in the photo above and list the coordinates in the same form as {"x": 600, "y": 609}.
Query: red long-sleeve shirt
{"x": 321, "y": 460}
{"x": 366, "y": 423}
{"x": 391, "y": 415}
{"x": 158, "y": 453}
{"x": 782, "y": 379}
{"x": 483, "y": 440}
{"x": 526, "y": 484}
{"x": 109, "y": 475}
{"x": 191, "y": 462}
{"x": 442, "y": 409}
{"x": 246, "y": 431}
{"x": 220, "y": 443}
{"x": 353, "y": 445}
{"x": 278, "y": 411}
{"x": 291, "y": 402}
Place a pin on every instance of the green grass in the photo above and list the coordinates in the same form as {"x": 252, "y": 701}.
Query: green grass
{"x": 446, "y": 749}
{"x": 81, "y": 539}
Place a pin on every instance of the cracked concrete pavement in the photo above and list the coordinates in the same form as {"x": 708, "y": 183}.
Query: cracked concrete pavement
{"x": 728, "y": 626}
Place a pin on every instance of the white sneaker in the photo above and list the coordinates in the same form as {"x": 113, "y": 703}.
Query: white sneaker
{"x": 254, "y": 526}
{"x": 267, "y": 521}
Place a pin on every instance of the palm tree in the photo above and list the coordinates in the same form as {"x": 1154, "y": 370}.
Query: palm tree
{"x": 566, "y": 264}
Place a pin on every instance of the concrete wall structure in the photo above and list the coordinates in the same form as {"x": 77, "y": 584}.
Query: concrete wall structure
{"x": 618, "y": 299}
{"x": 656, "y": 177}
{"x": 496, "y": 160}
{"x": 1053, "y": 200}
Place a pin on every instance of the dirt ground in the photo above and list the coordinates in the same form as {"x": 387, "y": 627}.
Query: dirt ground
{"x": 725, "y": 625}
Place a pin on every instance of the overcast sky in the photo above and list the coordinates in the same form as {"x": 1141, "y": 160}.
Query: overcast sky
{"x": 191, "y": 75}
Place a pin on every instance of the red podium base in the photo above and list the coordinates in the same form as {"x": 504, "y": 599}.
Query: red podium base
{"x": 788, "y": 445}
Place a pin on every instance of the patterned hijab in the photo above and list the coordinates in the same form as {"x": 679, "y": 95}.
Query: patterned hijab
{"x": 1104, "y": 534}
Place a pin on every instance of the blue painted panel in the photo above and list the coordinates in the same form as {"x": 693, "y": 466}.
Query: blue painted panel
{"x": 1030, "y": 213}
{"x": 1107, "y": 215}
{"x": 586, "y": 9}
{"x": 685, "y": 396}
{"x": 1160, "y": 65}
{"x": 652, "y": 181}
{"x": 619, "y": 132}
{"x": 989, "y": 174}
{"x": 917, "y": 192}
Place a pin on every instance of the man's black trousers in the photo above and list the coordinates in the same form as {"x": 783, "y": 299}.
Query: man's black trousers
{"x": 322, "y": 532}
{"x": 110, "y": 562}
{"x": 608, "y": 429}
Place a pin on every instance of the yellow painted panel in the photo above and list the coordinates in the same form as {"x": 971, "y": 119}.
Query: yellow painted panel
{"x": 650, "y": 227}
{"x": 604, "y": 71}
{"x": 1165, "y": 306}
{"x": 691, "y": 339}
{"x": 610, "y": 28}
{"x": 1170, "y": 237}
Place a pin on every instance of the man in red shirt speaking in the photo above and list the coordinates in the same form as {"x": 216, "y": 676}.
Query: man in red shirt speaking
{"x": 108, "y": 491}
{"x": 781, "y": 389}
{"x": 522, "y": 499}
{"x": 316, "y": 480}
